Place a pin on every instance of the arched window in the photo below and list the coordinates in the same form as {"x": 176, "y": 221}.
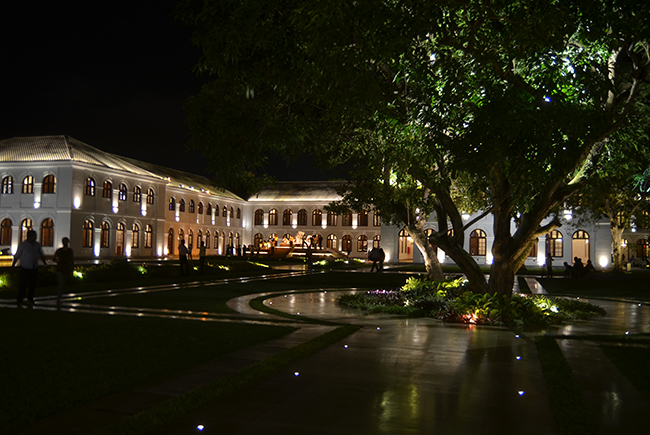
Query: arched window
{"x": 191, "y": 206}
{"x": 331, "y": 241}
{"x": 238, "y": 213}
{"x": 376, "y": 241}
{"x": 237, "y": 240}
{"x": 224, "y": 212}
{"x": 554, "y": 244}
{"x": 90, "y": 187}
{"x": 273, "y": 217}
{"x": 362, "y": 243}
{"x": 533, "y": 250}
{"x": 376, "y": 219}
{"x": 346, "y": 219}
{"x": 286, "y": 217}
{"x": 199, "y": 238}
{"x": 190, "y": 239}
{"x": 181, "y": 206}
{"x": 181, "y": 234}
{"x": 119, "y": 238}
{"x": 25, "y": 226}
{"x": 317, "y": 218}
{"x": 8, "y": 185}
{"x": 259, "y": 217}
{"x": 47, "y": 232}
{"x": 122, "y": 193}
{"x": 346, "y": 243}
{"x": 172, "y": 203}
{"x": 49, "y": 184}
{"x": 207, "y": 239}
{"x": 580, "y": 245}
{"x": 137, "y": 194}
{"x": 104, "y": 239}
{"x": 230, "y": 241}
{"x": 302, "y": 217}
{"x": 642, "y": 248}
{"x": 232, "y": 213}
{"x": 148, "y": 236}
{"x": 135, "y": 236}
{"x": 200, "y": 211}
{"x": 362, "y": 218}
{"x": 170, "y": 242}
{"x": 5, "y": 232}
{"x": 216, "y": 240}
{"x": 28, "y": 184}
{"x": 257, "y": 240}
{"x": 87, "y": 236}
{"x": 208, "y": 209}
{"x": 332, "y": 219}
{"x": 107, "y": 189}
{"x": 150, "y": 196}
{"x": 477, "y": 242}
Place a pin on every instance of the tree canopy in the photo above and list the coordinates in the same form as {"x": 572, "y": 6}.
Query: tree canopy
{"x": 501, "y": 106}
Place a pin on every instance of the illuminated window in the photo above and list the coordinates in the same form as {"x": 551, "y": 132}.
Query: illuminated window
{"x": 207, "y": 239}
{"x": 533, "y": 250}
{"x": 8, "y": 185}
{"x": 362, "y": 219}
{"x": 346, "y": 219}
{"x": 104, "y": 238}
{"x": 25, "y": 226}
{"x": 121, "y": 195}
{"x": 148, "y": 236}
{"x": 190, "y": 238}
{"x": 273, "y": 217}
{"x": 302, "y": 217}
{"x": 642, "y": 248}
{"x": 332, "y": 219}
{"x": 477, "y": 243}
{"x": 259, "y": 217}
{"x": 554, "y": 244}
{"x": 191, "y": 207}
{"x": 172, "y": 204}
{"x": 119, "y": 238}
{"x": 87, "y": 237}
{"x": 199, "y": 238}
{"x": 331, "y": 241}
{"x": 286, "y": 217}
{"x": 346, "y": 243}
{"x": 362, "y": 243}
{"x": 90, "y": 187}
{"x": 47, "y": 232}
{"x": 107, "y": 189}
{"x": 257, "y": 240}
{"x": 5, "y": 232}
{"x": 170, "y": 241}
{"x": 49, "y": 184}
{"x": 237, "y": 240}
{"x": 150, "y": 196}
{"x": 135, "y": 236}
{"x": 317, "y": 218}
{"x": 224, "y": 212}
{"x": 376, "y": 219}
{"x": 216, "y": 240}
{"x": 376, "y": 241}
{"x": 28, "y": 184}
{"x": 200, "y": 208}
{"x": 137, "y": 194}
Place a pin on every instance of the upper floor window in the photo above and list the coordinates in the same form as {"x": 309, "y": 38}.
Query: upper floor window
{"x": 302, "y": 217}
{"x": 346, "y": 219}
{"x": 232, "y": 213}
{"x": 150, "y": 196}
{"x": 137, "y": 194}
{"x": 200, "y": 211}
{"x": 362, "y": 218}
{"x": 172, "y": 203}
{"x": 107, "y": 189}
{"x": 122, "y": 193}
{"x": 8, "y": 184}
{"x": 259, "y": 217}
{"x": 332, "y": 218}
{"x": 376, "y": 219}
{"x": 90, "y": 187}
{"x": 273, "y": 217}
{"x": 238, "y": 213}
{"x": 191, "y": 206}
{"x": 286, "y": 217}
{"x": 181, "y": 206}
{"x": 208, "y": 209}
{"x": 316, "y": 217}
{"x": 28, "y": 184}
{"x": 224, "y": 213}
{"x": 49, "y": 184}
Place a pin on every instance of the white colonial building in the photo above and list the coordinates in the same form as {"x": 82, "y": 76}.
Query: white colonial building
{"x": 111, "y": 206}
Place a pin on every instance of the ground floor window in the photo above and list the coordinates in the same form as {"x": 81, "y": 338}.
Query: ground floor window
{"x": 331, "y": 241}
{"x": 362, "y": 243}
{"x": 477, "y": 243}
{"x": 87, "y": 237}
{"x": 47, "y": 232}
{"x": 346, "y": 243}
{"x": 5, "y": 232}
{"x": 554, "y": 244}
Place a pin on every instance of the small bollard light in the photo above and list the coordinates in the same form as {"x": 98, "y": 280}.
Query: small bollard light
{"x": 521, "y": 393}
{"x": 200, "y": 428}
{"x": 518, "y": 358}
{"x": 296, "y": 373}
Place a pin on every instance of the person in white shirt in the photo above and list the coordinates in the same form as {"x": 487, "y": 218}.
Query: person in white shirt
{"x": 28, "y": 252}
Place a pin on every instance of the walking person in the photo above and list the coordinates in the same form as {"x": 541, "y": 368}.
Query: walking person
{"x": 182, "y": 257}
{"x": 549, "y": 265}
{"x": 28, "y": 252}
{"x": 64, "y": 259}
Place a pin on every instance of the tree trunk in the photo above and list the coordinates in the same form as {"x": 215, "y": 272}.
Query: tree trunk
{"x": 434, "y": 270}
{"x": 617, "y": 252}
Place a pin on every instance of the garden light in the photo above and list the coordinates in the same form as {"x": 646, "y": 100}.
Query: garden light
{"x": 296, "y": 373}
{"x": 200, "y": 428}
{"x": 521, "y": 393}
{"x": 345, "y": 346}
{"x": 518, "y": 358}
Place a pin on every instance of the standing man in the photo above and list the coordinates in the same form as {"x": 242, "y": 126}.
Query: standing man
{"x": 64, "y": 258}
{"x": 182, "y": 256}
{"x": 549, "y": 265}
{"x": 202, "y": 258}
{"x": 28, "y": 252}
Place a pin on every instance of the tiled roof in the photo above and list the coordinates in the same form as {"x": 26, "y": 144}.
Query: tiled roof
{"x": 65, "y": 148}
{"x": 322, "y": 191}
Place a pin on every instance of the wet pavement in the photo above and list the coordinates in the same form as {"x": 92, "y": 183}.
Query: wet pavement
{"x": 395, "y": 376}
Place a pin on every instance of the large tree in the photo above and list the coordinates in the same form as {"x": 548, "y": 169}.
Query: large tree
{"x": 511, "y": 100}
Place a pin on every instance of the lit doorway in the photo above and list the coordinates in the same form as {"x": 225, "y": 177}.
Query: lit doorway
{"x": 405, "y": 247}
{"x": 580, "y": 245}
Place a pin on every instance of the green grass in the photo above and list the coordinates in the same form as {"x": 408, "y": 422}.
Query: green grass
{"x": 568, "y": 404}
{"x": 52, "y": 361}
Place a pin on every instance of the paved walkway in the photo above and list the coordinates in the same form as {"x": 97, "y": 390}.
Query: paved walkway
{"x": 393, "y": 376}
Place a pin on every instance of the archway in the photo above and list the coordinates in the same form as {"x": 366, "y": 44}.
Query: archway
{"x": 405, "y": 247}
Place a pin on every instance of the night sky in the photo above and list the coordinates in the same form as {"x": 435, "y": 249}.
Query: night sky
{"x": 114, "y": 75}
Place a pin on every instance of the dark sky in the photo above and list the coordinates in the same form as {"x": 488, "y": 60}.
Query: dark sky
{"x": 114, "y": 75}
